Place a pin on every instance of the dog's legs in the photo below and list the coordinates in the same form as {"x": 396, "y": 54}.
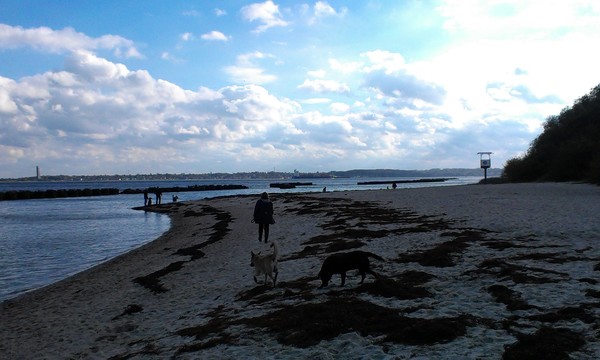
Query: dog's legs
{"x": 362, "y": 277}
{"x": 255, "y": 280}
{"x": 275, "y": 278}
{"x": 343, "y": 274}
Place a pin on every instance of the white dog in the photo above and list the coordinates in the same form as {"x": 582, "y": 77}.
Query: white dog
{"x": 265, "y": 264}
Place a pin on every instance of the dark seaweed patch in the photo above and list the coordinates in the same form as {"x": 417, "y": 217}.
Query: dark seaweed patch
{"x": 508, "y": 297}
{"x": 307, "y": 324}
{"x": 439, "y": 256}
{"x": 568, "y": 313}
{"x": 518, "y": 274}
{"x": 129, "y": 310}
{"x": 300, "y": 289}
{"x": 389, "y": 288}
{"x": 193, "y": 251}
{"x": 152, "y": 281}
{"x": 546, "y": 343}
{"x": 211, "y": 334}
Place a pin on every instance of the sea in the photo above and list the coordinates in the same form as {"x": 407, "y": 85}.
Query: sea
{"x": 43, "y": 241}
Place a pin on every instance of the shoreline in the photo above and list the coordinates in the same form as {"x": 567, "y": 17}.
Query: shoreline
{"x": 203, "y": 288}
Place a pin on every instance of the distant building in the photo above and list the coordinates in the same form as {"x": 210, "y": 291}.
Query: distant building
{"x": 37, "y": 173}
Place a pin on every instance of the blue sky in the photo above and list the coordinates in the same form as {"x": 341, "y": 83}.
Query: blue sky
{"x": 127, "y": 87}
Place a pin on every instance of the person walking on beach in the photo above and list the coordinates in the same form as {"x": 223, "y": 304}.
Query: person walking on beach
{"x": 263, "y": 216}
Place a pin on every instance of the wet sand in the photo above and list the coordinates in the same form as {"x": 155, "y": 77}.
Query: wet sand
{"x": 469, "y": 271}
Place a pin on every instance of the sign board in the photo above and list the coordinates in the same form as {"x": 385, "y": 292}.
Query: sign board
{"x": 486, "y": 163}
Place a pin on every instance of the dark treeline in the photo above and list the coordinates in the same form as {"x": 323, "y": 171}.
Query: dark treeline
{"x": 568, "y": 149}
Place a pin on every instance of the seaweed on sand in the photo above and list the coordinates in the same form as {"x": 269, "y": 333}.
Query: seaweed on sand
{"x": 546, "y": 343}
{"x": 307, "y": 324}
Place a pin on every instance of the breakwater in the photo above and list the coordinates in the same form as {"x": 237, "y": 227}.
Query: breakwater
{"x": 404, "y": 181}
{"x": 67, "y": 193}
{"x": 185, "y": 188}
{"x": 290, "y": 185}
{"x": 51, "y": 194}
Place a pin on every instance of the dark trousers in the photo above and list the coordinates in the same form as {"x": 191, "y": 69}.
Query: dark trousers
{"x": 265, "y": 228}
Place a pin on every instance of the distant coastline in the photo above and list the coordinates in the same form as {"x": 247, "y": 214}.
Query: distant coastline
{"x": 357, "y": 173}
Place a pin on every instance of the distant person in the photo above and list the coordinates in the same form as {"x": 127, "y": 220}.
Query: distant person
{"x": 175, "y": 198}
{"x": 145, "y": 197}
{"x": 325, "y": 189}
{"x": 394, "y": 186}
{"x": 263, "y": 216}
{"x": 158, "y": 194}
{"x": 149, "y": 201}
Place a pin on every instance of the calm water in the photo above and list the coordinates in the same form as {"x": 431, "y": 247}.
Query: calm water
{"x": 45, "y": 240}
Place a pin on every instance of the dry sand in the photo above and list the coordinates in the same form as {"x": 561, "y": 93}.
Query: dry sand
{"x": 470, "y": 272}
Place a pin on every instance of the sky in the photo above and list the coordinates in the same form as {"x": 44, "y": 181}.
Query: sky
{"x": 137, "y": 87}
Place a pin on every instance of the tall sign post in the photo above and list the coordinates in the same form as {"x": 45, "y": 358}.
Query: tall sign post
{"x": 486, "y": 162}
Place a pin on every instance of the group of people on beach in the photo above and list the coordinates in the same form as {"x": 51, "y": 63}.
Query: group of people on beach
{"x": 158, "y": 194}
{"x": 148, "y": 199}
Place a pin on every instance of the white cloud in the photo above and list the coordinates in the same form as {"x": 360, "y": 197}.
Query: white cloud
{"x": 187, "y": 36}
{"x": 107, "y": 110}
{"x": 192, "y": 13}
{"x": 388, "y": 74}
{"x": 249, "y": 74}
{"x": 246, "y": 69}
{"x": 220, "y": 12}
{"x": 62, "y": 41}
{"x": 170, "y": 57}
{"x": 93, "y": 68}
{"x": 344, "y": 67}
{"x": 322, "y": 9}
{"x": 215, "y": 36}
{"x": 339, "y": 108}
{"x": 315, "y": 101}
{"x": 323, "y": 86}
{"x": 405, "y": 86}
{"x": 317, "y": 73}
{"x": 493, "y": 40}
{"x": 505, "y": 19}
{"x": 266, "y": 13}
{"x": 384, "y": 60}
{"x": 7, "y": 105}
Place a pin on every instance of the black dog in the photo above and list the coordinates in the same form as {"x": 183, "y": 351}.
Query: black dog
{"x": 340, "y": 263}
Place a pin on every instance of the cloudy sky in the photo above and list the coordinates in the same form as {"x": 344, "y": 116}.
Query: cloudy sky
{"x": 137, "y": 86}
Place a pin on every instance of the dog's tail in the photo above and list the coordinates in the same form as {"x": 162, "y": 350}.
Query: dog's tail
{"x": 374, "y": 256}
{"x": 275, "y": 250}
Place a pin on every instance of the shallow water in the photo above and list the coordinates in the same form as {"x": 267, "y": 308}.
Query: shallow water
{"x": 46, "y": 240}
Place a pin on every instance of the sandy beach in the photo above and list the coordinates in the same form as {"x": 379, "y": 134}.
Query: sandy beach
{"x": 473, "y": 272}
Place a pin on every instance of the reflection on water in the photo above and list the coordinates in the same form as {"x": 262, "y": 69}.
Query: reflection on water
{"x": 46, "y": 240}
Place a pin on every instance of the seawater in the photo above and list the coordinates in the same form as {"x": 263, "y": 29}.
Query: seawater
{"x": 46, "y": 240}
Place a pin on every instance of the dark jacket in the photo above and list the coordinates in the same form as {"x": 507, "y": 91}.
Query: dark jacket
{"x": 263, "y": 212}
